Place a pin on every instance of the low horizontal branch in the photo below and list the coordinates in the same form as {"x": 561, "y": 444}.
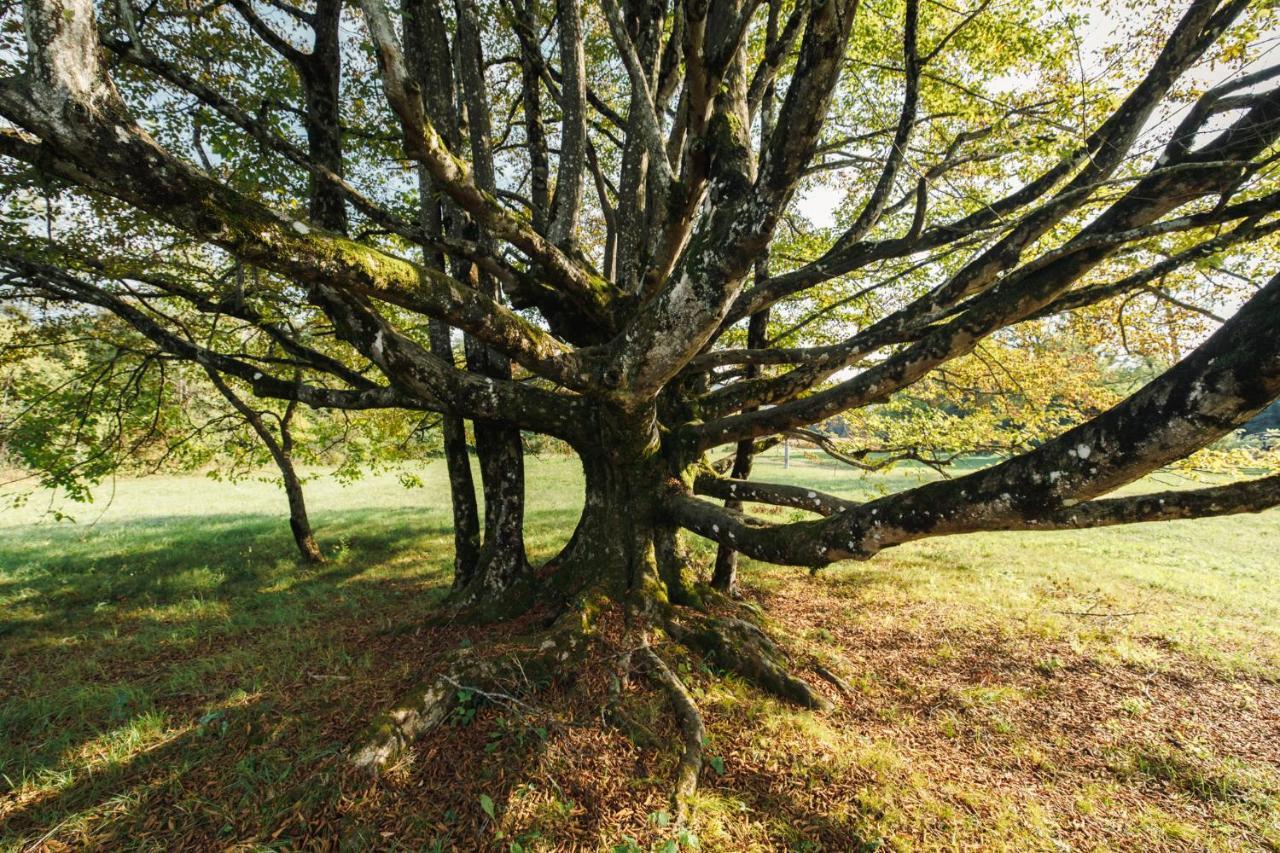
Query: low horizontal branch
{"x": 774, "y": 494}
{"x": 1227, "y": 499}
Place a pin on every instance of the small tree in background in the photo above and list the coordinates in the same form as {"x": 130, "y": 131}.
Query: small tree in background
{"x": 607, "y": 204}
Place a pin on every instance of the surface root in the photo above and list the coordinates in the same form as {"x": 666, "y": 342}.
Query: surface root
{"x": 834, "y": 679}
{"x": 741, "y": 647}
{"x": 693, "y": 732}
{"x": 430, "y": 702}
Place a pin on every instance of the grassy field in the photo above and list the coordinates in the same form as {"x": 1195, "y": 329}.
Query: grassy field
{"x": 171, "y": 678}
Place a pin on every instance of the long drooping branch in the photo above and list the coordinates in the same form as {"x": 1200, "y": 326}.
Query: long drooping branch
{"x": 417, "y": 380}
{"x": 1223, "y": 383}
{"x": 118, "y": 269}
{"x": 118, "y": 158}
{"x": 1227, "y": 499}
{"x": 63, "y": 285}
{"x": 95, "y": 144}
{"x": 136, "y": 53}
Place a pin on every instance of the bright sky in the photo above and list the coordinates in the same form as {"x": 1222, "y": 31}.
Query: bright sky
{"x": 818, "y": 202}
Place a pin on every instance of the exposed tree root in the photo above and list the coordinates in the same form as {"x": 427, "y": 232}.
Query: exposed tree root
{"x": 741, "y": 647}
{"x": 503, "y": 679}
{"x": 431, "y": 702}
{"x": 426, "y": 706}
{"x": 692, "y": 731}
{"x": 733, "y": 643}
{"x": 834, "y": 679}
{"x": 615, "y": 714}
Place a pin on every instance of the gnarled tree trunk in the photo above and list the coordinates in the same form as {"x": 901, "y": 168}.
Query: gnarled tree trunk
{"x": 632, "y": 357}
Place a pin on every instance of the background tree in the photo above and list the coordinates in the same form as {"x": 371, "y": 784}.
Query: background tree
{"x": 86, "y": 398}
{"x": 606, "y": 205}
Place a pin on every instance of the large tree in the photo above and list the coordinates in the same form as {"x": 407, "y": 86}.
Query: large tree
{"x": 603, "y": 204}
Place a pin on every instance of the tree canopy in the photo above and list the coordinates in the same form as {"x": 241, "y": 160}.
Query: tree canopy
{"x": 669, "y": 234}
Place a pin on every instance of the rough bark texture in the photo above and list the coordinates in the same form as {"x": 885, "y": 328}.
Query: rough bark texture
{"x": 725, "y": 575}
{"x": 626, "y": 360}
{"x": 462, "y": 489}
{"x": 499, "y": 447}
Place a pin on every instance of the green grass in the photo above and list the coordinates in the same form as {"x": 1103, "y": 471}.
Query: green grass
{"x": 170, "y": 676}
{"x": 1209, "y": 587}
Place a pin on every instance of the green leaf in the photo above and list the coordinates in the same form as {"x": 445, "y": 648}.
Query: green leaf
{"x": 717, "y": 764}
{"x": 486, "y": 803}
{"x": 659, "y": 818}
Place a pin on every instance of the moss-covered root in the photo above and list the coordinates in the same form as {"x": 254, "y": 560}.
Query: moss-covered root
{"x": 427, "y": 705}
{"x": 834, "y": 679}
{"x": 616, "y": 713}
{"x": 431, "y": 701}
{"x": 692, "y": 731}
{"x": 741, "y": 647}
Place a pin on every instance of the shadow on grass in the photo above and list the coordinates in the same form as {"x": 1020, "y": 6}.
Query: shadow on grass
{"x": 804, "y": 823}
{"x": 191, "y": 663}
{"x": 232, "y": 776}
{"x": 67, "y": 575}
{"x": 68, "y": 567}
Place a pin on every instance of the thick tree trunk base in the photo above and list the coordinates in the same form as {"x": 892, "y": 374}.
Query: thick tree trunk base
{"x": 596, "y": 629}
{"x": 621, "y": 581}
{"x": 502, "y": 587}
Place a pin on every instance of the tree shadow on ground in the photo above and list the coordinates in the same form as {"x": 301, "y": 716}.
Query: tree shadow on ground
{"x": 192, "y": 664}
{"x": 183, "y": 683}
{"x": 188, "y": 670}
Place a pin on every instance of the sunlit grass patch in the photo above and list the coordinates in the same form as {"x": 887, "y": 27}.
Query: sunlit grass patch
{"x": 1195, "y": 769}
{"x": 1160, "y": 827}
{"x": 172, "y": 677}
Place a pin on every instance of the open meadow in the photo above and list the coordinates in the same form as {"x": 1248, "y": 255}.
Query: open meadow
{"x": 171, "y": 677}
{"x": 642, "y": 427}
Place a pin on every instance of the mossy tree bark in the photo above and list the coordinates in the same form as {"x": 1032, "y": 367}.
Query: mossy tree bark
{"x": 637, "y": 367}
{"x": 501, "y": 561}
